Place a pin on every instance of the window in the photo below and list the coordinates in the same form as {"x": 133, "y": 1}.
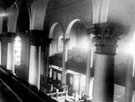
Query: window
{"x": 60, "y": 43}
{"x": 17, "y": 50}
{"x": 59, "y": 76}
{"x": 54, "y": 75}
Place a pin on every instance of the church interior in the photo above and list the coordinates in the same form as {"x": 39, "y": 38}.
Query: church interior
{"x": 67, "y": 50}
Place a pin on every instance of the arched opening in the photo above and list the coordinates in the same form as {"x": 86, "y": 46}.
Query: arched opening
{"x": 77, "y": 47}
{"x": 77, "y": 34}
{"x": 55, "y": 33}
{"x": 55, "y": 59}
{"x": 52, "y": 29}
{"x": 70, "y": 26}
{"x": 60, "y": 43}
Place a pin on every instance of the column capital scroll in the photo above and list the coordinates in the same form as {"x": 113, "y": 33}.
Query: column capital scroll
{"x": 106, "y": 37}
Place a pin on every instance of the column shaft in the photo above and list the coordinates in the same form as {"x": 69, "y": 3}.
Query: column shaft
{"x": 34, "y": 70}
{"x": 10, "y": 57}
{"x": 88, "y": 70}
{"x": 4, "y": 52}
{"x": 64, "y": 59}
{"x": 35, "y": 58}
{"x": 106, "y": 36}
{"x": 129, "y": 80}
{"x": 104, "y": 78}
{"x": 46, "y": 58}
{"x": 0, "y": 52}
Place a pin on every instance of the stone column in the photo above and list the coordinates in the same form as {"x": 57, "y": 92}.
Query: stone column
{"x": 22, "y": 70}
{"x": 64, "y": 59}
{"x": 34, "y": 64}
{"x": 88, "y": 66}
{"x": 46, "y": 58}
{"x": 10, "y": 52}
{"x": 106, "y": 43}
{"x": 129, "y": 79}
{"x": 4, "y": 50}
{"x": 0, "y": 49}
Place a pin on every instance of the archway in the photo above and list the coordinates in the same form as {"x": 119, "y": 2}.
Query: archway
{"x": 70, "y": 26}
{"x": 77, "y": 52}
{"x": 52, "y": 29}
{"x": 55, "y": 33}
{"x": 77, "y": 34}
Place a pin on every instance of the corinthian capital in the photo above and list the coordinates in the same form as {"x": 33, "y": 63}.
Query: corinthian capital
{"x": 106, "y": 36}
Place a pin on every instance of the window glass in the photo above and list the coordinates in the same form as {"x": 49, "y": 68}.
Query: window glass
{"x": 17, "y": 50}
{"x": 59, "y": 76}
{"x": 60, "y": 43}
{"x": 54, "y": 75}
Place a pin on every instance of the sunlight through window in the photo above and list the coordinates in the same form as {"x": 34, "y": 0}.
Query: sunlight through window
{"x": 17, "y": 50}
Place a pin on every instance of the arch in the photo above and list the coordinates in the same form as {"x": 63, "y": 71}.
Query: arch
{"x": 38, "y": 14}
{"x": 23, "y": 21}
{"x": 77, "y": 33}
{"x": 52, "y": 29}
{"x": 70, "y": 26}
{"x": 55, "y": 31}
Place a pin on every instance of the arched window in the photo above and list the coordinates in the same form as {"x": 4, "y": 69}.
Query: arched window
{"x": 17, "y": 50}
{"x": 60, "y": 43}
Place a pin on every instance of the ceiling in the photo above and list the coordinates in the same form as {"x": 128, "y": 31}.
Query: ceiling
{"x": 6, "y": 3}
{"x": 122, "y": 11}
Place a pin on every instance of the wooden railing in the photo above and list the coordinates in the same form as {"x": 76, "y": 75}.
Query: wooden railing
{"x": 58, "y": 94}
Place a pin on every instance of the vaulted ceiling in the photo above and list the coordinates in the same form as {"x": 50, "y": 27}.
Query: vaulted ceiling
{"x": 6, "y": 3}
{"x": 121, "y": 11}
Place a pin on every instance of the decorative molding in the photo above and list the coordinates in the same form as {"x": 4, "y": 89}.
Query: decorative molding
{"x": 9, "y": 36}
{"x": 106, "y": 36}
{"x": 36, "y": 37}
